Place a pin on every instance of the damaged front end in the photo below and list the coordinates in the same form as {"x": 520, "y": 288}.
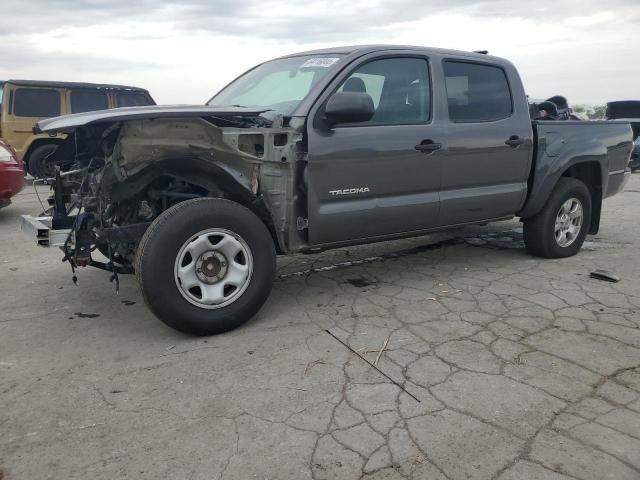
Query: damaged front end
{"x": 125, "y": 172}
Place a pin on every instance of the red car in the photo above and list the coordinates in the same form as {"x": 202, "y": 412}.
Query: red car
{"x": 11, "y": 174}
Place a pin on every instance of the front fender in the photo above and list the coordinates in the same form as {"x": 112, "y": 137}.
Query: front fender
{"x": 218, "y": 178}
{"x": 209, "y": 174}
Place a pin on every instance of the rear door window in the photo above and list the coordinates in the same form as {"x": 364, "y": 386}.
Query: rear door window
{"x": 476, "y": 92}
{"x": 36, "y": 102}
{"x": 85, "y": 100}
{"x": 132, "y": 99}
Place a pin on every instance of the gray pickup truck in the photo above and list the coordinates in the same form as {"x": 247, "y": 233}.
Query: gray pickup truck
{"x": 314, "y": 151}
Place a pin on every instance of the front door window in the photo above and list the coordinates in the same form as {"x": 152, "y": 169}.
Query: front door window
{"x": 399, "y": 88}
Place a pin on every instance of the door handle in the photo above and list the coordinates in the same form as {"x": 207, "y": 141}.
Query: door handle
{"x": 514, "y": 141}
{"x": 428, "y": 146}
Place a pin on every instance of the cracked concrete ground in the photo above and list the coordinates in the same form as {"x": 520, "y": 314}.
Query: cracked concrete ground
{"x": 525, "y": 368}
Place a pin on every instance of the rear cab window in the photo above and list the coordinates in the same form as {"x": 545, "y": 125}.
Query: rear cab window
{"x": 87, "y": 100}
{"x": 132, "y": 99}
{"x": 476, "y": 92}
{"x": 36, "y": 102}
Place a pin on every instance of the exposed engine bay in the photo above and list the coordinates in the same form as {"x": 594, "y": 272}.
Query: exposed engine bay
{"x": 113, "y": 179}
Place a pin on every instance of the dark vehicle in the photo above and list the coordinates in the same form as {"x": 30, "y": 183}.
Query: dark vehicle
{"x": 314, "y": 151}
{"x": 554, "y": 108}
{"x": 628, "y": 110}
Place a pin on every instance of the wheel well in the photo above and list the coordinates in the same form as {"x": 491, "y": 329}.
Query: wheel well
{"x": 590, "y": 174}
{"x": 207, "y": 176}
{"x": 37, "y": 143}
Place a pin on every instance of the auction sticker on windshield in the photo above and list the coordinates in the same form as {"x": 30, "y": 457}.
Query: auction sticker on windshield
{"x": 319, "y": 62}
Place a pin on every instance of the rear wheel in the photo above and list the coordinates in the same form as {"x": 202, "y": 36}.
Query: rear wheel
{"x": 37, "y": 164}
{"x": 206, "y": 266}
{"x": 560, "y": 228}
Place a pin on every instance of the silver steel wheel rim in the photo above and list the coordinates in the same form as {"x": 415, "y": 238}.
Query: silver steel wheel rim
{"x": 568, "y": 222}
{"x": 213, "y": 268}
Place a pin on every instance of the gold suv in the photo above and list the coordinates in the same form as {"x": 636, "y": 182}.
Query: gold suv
{"x": 25, "y": 102}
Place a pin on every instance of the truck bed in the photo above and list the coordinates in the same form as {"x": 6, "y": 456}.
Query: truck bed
{"x": 600, "y": 147}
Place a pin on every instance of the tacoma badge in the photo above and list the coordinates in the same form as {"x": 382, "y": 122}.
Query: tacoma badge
{"x": 349, "y": 191}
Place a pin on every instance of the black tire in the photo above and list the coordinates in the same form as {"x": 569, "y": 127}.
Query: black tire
{"x": 539, "y": 231}
{"x": 36, "y": 163}
{"x": 156, "y": 256}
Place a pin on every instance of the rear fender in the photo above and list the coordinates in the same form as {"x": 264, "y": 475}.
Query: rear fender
{"x": 588, "y": 151}
{"x": 577, "y": 152}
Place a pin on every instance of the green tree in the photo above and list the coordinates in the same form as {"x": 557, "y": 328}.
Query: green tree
{"x": 598, "y": 112}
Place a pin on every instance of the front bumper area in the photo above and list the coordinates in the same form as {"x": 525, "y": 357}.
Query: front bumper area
{"x": 38, "y": 230}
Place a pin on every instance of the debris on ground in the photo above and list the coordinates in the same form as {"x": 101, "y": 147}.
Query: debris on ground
{"x": 397, "y": 384}
{"x": 384, "y": 347}
{"x": 310, "y": 365}
{"x": 605, "y": 276}
{"x": 86, "y": 315}
{"x": 360, "y": 282}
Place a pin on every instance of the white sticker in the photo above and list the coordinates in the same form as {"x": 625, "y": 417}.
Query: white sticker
{"x": 319, "y": 62}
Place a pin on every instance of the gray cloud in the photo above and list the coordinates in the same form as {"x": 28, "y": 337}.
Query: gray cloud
{"x": 38, "y": 15}
{"x": 19, "y": 57}
{"x": 296, "y": 23}
{"x": 342, "y": 20}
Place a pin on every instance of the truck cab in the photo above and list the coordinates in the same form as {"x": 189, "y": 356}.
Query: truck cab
{"x": 449, "y": 142}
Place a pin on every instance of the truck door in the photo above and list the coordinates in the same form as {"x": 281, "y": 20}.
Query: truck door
{"x": 489, "y": 143}
{"x": 382, "y": 176}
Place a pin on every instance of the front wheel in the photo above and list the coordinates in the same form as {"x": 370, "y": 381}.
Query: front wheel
{"x": 206, "y": 266}
{"x": 559, "y": 230}
{"x": 38, "y": 164}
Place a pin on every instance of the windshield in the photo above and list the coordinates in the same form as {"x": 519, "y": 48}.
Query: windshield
{"x": 278, "y": 85}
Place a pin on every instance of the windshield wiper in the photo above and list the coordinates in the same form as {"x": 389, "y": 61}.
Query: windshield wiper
{"x": 255, "y": 107}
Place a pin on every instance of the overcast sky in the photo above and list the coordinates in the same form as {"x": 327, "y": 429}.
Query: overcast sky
{"x": 184, "y": 51}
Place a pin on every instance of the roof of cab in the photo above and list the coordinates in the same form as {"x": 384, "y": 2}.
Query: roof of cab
{"x": 364, "y": 49}
{"x": 56, "y": 84}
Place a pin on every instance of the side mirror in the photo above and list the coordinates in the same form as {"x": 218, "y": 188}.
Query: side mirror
{"x": 349, "y": 107}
